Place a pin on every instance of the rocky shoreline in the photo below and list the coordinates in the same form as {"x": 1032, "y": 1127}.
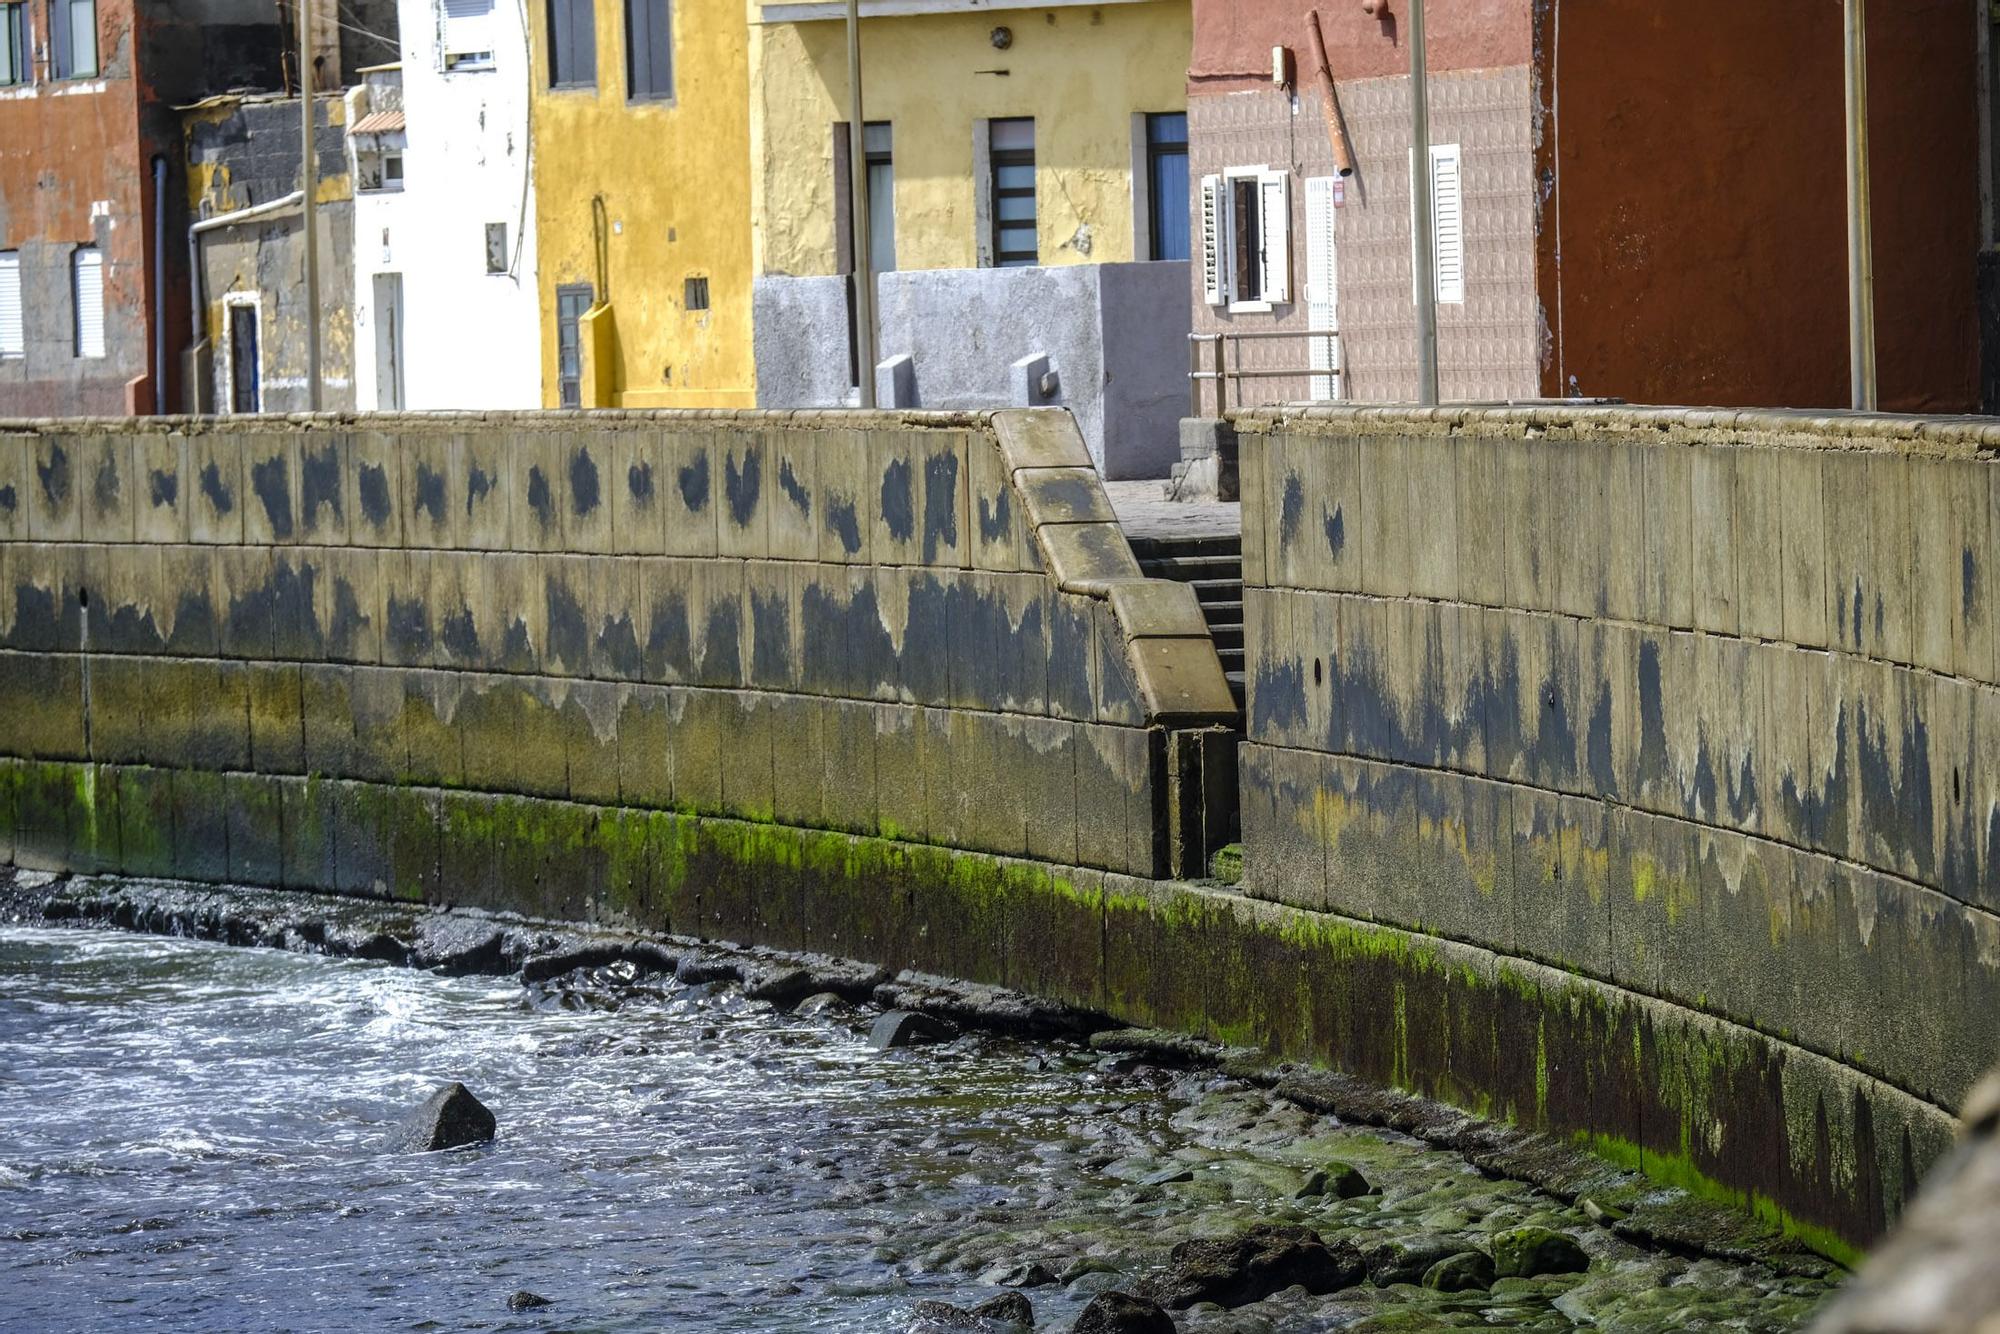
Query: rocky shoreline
{"x": 1329, "y": 1238}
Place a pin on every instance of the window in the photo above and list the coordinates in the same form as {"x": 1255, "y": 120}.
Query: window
{"x": 1447, "y": 224}
{"x": 496, "y": 247}
{"x": 876, "y": 139}
{"x": 73, "y": 39}
{"x": 246, "y": 380}
{"x": 392, "y": 171}
{"x": 649, "y": 50}
{"x": 572, "y": 43}
{"x": 16, "y": 56}
{"x": 1012, "y": 144}
{"x": 572, "y": 304}
{"x": 1246, "y": 238}
{"x": 468, "y": 34}
{"x": 87, "y": 291}
{"x": 1167, "y": 184}
{"x": 694, "y": 294}
{"x": 13, "y": 336}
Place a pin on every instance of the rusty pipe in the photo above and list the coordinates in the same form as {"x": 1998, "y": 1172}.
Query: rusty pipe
{"x": 1336, "y": 124}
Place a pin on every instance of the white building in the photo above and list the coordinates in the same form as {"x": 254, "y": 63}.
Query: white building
{"x": 446, "y": 313}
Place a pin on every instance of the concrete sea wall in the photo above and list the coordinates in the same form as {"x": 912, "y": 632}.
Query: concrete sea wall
{"x": 1698, "y": 706}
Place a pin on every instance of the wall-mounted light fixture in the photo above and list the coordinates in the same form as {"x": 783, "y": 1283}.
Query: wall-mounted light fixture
{"x": 1002, "y": 38}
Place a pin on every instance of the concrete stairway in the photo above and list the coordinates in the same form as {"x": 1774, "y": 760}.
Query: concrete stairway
{"x": 1213, "y": 565}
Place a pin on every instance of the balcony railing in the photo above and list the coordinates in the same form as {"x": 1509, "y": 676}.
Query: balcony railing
{"x": 1225, "y": 365}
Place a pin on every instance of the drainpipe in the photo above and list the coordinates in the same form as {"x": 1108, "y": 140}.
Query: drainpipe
{"x": 1860, "y": 231}
{"x": 1423, "y": 259}
{"x": 308, "y": 190}
{"x": 221, "y": 220}
{"x": 857, "y": 192}
{"x": 159, "y": 286}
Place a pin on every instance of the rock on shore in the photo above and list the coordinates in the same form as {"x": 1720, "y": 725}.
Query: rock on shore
{"x": 451, "y": 1118}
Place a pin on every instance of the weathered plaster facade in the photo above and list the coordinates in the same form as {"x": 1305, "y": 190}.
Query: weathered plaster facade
{"x": 469, "y": 337}
{"x": 640, "y": 200}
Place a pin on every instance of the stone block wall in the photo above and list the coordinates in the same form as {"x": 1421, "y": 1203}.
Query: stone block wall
{"x": 336, "y": 653}
{"x": 1701, "y": 707}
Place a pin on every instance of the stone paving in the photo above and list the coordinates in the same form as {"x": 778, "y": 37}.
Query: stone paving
{"x": 1145, "y": 513}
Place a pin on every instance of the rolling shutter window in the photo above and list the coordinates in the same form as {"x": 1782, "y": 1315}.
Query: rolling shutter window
{"x": 1448, "y": 223}
{"x": 87, "y": 287}
{"x": 1274, "y": 219}
{"x": 468, "y": 34}
{"x": 1214, "y": 238}
{"x": 1321, "y": 314}
{"x": 13, "y": 336}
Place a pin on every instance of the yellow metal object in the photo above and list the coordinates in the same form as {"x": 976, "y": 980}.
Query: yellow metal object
{"x": 674, "y": 178}
{"x": 1082, "y": 73}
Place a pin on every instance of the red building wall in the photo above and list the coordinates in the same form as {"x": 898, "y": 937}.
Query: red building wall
{"x": 1233, "y": 39}
{"x": 1693, "y": 248}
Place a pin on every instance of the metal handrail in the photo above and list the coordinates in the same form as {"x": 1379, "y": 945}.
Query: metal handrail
{"x": 1221, "y": 374}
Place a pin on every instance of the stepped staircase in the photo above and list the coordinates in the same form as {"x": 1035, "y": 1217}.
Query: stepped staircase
{"x": 1213, "y": 566}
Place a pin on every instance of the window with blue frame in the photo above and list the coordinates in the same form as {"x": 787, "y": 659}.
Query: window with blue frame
{"x": 1167, "y": 183}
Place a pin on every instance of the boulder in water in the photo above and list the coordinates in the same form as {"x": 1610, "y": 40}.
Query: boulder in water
{"x": 1027, "y": 1274}
{"x": 451, "y": 1118}
{"x": 907, "y": 1028}
{"x": 1524, "y": 1252}
{"x": 1009, "y": 1308}
{"x": 527, "y": 1301}
{"x": 1468, "y": 1271}
{"x": 1254, "y": 1264}
{"x": 935, "y": 1317}
{"x": 1122, "y": 1313}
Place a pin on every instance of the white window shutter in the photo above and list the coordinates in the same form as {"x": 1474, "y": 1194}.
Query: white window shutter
{"x": 1448, "y": 222}
{"x": 1274, "y": 216}
{"x": 13, "y": 335}
{"x": 1321, "y": 279}
{"x": 1214, "y": 231}
{"x": 87, "y": 282}
{"x": 466, "y": 27}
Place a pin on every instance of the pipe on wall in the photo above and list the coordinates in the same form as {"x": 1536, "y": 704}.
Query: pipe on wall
{"x": 159, "y": 286}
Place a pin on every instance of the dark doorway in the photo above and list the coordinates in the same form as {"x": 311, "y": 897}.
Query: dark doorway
{"x": 572, "y": 304}
{"x": 246, "y": 391}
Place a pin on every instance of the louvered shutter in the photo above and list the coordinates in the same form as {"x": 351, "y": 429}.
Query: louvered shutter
{"x": 87, "y": 274}
{"x": 1274, "y": 218}
{"x": 467, "y": 29}
{"x": 1214, "y": 235}
{"x": 13, "y": 335}
{"x": 1448, "y": 222}
{"x": 1321, "y": 313}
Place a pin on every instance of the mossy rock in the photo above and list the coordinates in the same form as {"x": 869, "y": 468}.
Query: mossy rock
{"x": 1468, "y": 1271}
{"x": 1524, "y": 1252}
{"x": 1341, "y": 1180}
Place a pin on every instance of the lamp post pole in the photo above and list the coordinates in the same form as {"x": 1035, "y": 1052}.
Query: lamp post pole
{"x": 857, "y": 193}
{"x": 309, "y": 183}
{"x": 1860, "y": 225}
{"x": 1423, "y": 257}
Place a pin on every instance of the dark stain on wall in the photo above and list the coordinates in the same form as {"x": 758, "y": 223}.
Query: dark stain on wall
{"x": 618, "y": 653}
{"x": 639, "y": 481}
{"x": 788, "y": 482}
{"x": 1290, "y": 510}
{"x": 865, "y": 659}
{"x": 669, "y": 653}
{"x": 319, "y": 483}
{"x": 406, "y": 629}
{"x": 771, "y": 640}
{"x": 220, "y": 495}
{"x": 1819, "y": 811}
{"x": 569, "y": 629}
{"x": 1335, "y": 525}
{"x": 373, "y": 484}
{"x": 10, "y": 502}
{"x": 271, "y": 480}
{"x": 1896, "y": 798}
{"x": 584, "y": 490}
{"x": 430, "y": 492}
{"x": 55, "y": 476}
{"x": 1969, "y": 586}
{"x": 539, "y": 499}
{"x": 899, "y": 502}
{"x": 846, "y": 525}
{"x": 478, "y": 485}
{"x": 996, "y": 516}
{"x": 106, "y": 486}
{"x": 459, "y": 635}
{"x": 940, "y": 504}
{"x": 694, "y": 484}
{"x": 346, "y": 623}
{"x": 1070, "y": 652}
{"x": 1652, "y": 718}
{"x": 742, "y": 485}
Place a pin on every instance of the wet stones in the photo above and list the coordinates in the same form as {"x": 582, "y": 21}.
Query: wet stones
{"x": 907, "y": 1028}
{"x": 1008, "y": 1309}
{"x": 1254, "y": 1264}
{"x": 1122, "y": 1313}
{"x": 451, "y": 1118}
{"x": 1025, "y": 1274}
{"x": 1468, "y": 1271}
{"x": 1342, "y": 1181}
{"x": 1524, "y": 1252}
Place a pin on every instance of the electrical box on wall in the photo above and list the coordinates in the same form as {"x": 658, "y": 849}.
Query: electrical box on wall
{"x": 1281, "y": 66}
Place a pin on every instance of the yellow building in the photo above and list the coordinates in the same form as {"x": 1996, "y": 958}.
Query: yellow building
{"x": 641, "y": 126}
{"x": 1026, "y": 165}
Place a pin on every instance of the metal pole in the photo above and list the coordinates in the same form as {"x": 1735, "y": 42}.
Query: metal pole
{"x": 1221, "y": 376}
{"x": 1423, "y": 260}
{"x": 309, "y": 185}
{"x": 857, "y": 192}
{"x": 1860, "y": 237}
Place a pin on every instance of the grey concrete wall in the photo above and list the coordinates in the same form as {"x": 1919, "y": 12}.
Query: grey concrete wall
{"x": 1698, "y": 704}
{"x": 922, "y": 629}
{"x": 1115, "y": 334}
